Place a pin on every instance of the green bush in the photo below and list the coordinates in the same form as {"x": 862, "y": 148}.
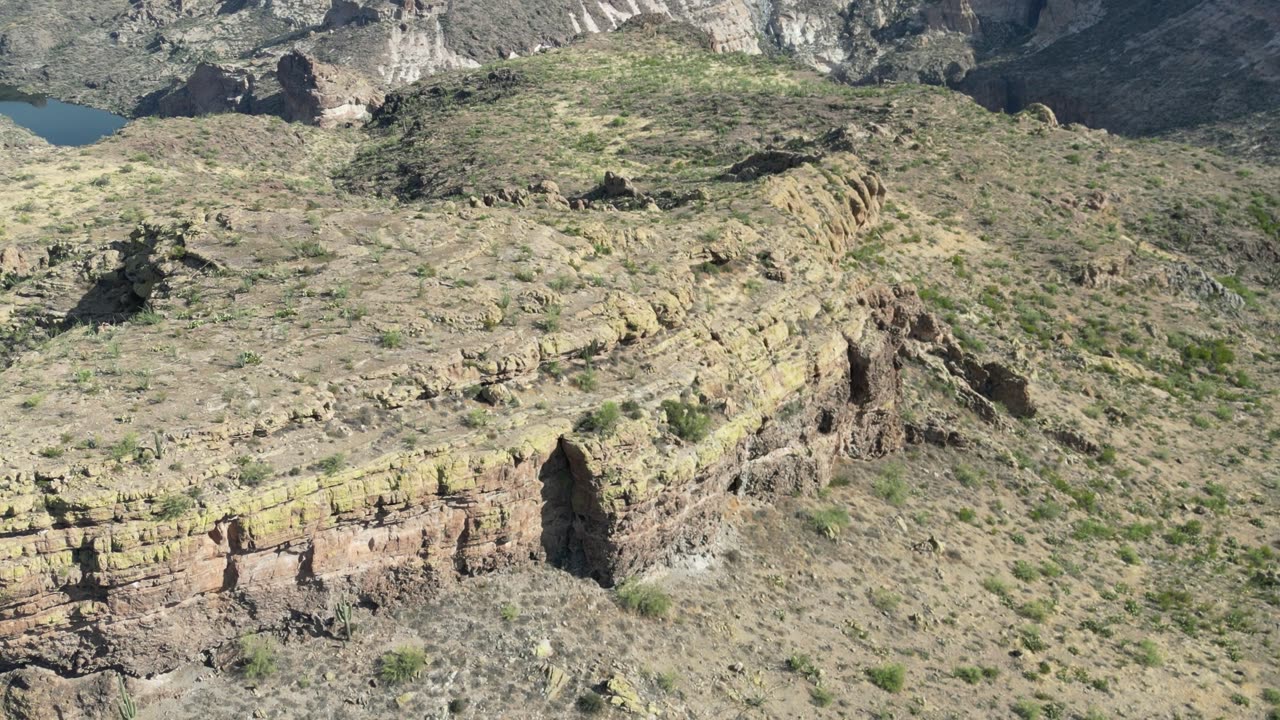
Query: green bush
{"x": 402, "y": 664}
{"x": 975, "y": 674}
{"x": 603, "y": 421}
{"x": 967, "y": 476}
{"x": 587, "y": 380}
{"x": 332, "y": 463}
{"x": 802, "y": 664}
{"x": 1025, "y": 571}
{"x": 126, "y": 449}
{"x": 890, "y": 486}
{"x": 885, "y": 600}
{"x": 1148, "y": 654}
{"x": 830, "y": 521}
{"x": 643, "y": 598}
{"x": 688, "y": 421}
{"x": 1027, "y": 709}
{"x": 257, "y": 657}
{"x": 173, "y": 506}
{"x": 247, "y": 358}
{"x": 253, "y": 472}
{"x": 889, "y": 678}
{"x": 391, "y": 339}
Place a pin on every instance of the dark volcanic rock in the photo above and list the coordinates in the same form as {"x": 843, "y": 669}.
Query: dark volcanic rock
{"x": 320, "y": 94}
{"x": 211, "y": 89}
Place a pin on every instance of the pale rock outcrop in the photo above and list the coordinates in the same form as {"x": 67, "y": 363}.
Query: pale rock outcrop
{"x": 414, "y": 52}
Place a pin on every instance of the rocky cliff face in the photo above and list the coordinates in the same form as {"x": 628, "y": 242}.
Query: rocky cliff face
{"x": 1007, "y": 53}
{"x": 1212, "y": 62}
{"x": 153, "y": 565}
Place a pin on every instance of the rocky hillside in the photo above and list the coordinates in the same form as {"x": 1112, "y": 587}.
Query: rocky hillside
{"x": 1207, "y": 68}
{"x": 635, "y": 374}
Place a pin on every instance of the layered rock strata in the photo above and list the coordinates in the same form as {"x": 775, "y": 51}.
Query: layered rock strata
{"x": 274, "y": 480}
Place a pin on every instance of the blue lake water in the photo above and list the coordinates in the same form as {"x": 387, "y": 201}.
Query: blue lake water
{"x": 57, "y": 122}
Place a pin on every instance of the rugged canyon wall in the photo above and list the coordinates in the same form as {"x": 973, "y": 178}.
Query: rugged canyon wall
{"x": 1144, "y": 68}
{"x": 1167, "y": 65}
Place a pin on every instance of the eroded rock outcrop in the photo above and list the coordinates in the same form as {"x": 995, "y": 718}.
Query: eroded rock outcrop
{"x": 320, "y": 94}
{"x": 203, "y": 524}
{"x": 210, "y": 89}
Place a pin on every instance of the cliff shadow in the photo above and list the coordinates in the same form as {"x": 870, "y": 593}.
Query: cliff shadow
{"x": 561, "y": 545}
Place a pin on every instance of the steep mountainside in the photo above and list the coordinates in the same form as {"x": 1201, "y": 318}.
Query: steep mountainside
{"x": 1208, "y": 68}
{"x": 632, "y": 374}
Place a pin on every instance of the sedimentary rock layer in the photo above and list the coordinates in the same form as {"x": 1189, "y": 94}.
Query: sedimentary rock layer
{"x": 193, "y": 526}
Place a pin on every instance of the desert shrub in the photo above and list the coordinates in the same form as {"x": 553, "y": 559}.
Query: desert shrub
{"x": 967, "y": 476}
{"x": 603, "y": 421}
{"x": 587, "y": 380}
{"x": 253, "y": 472}
{"x": 890, "y": 486}
{"x": 1036, "y": 610}
{"x": 332, "y": 463}
{"x": 126, "y": 449}
{"x": 173, "y": 506}
{"x": 975, "y": 674}
{"x": 889, "y": 678}
{"x": 830, "y": 521}
{"x": 688, "y": 421}
{"x": 1047, "y": 510}
{"x": 996, "y": 586}
{"x": 402, "y": 664}
{"x": 821, "y": 696}
{"x": 1031, "y": 639}
{"x": 1027, "y": 709}
{"x": 644, "y": 598}
{"x": 257, "y": 657}
{"x": 885, "y": 600}
{"x": 247, "y": 358}
{"x": 667, "y": 681}
{"x": 1025, "y": 571}
{"x": 802, "y": 664}
{"x": 391, "y": 339}
{"x": 1148, "y": 654}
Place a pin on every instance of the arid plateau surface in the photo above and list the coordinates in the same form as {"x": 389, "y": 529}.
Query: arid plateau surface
{"x": 635, "y": 377}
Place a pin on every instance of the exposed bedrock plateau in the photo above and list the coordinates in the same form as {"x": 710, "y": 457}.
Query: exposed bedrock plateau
{"x": 792, "y": 376}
